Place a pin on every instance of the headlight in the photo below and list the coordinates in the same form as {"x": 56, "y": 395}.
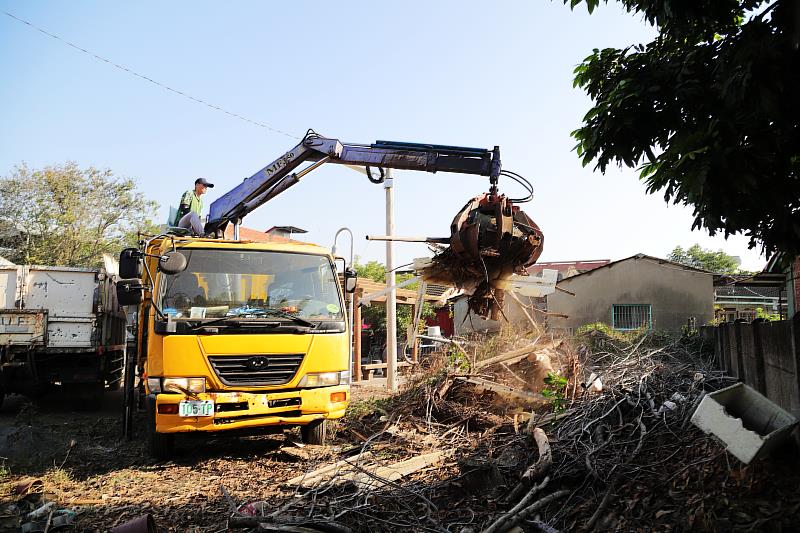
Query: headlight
{"x": 154, "y": 385}
{"x": 180, "y": 384}
{"x": 323, "y": 379}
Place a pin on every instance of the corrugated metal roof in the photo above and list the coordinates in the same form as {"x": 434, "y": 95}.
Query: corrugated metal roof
{"x": 563, "y": 266}
{"x": 645, "y": 257}
{"x": 743, "y": 290}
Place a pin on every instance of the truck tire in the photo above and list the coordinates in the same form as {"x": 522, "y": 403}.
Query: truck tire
{"x": 160, "y": 446}
{"x": 314, "y": 433}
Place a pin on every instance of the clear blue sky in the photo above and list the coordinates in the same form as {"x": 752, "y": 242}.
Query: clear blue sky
{"x": 450, "y": 72}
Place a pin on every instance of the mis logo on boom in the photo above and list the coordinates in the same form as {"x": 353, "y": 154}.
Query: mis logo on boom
{"x": 258, "y": 362}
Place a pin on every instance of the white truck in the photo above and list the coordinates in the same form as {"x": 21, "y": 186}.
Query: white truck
{"x": 59, "y": 326}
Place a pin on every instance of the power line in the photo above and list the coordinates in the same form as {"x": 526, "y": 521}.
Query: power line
{"x": 149, "y": 79}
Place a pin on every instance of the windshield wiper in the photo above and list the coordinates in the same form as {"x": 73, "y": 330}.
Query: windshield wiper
{"x": 238, "y": 321}
{"x": 284, "y": 314}
{"x": 199, "y": 325}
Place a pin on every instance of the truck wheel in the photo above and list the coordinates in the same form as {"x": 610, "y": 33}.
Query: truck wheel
{"x": 160, "y": 445}
{"x": 314, "y": 433}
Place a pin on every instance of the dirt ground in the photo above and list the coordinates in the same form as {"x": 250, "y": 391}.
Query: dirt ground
{"x": 640, "y": 468}
{"x": 87, "y": 465}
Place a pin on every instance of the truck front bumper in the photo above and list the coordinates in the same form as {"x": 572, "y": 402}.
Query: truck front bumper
{"x": 246, "y": 410}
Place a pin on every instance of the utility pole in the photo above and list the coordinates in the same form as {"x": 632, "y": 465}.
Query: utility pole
{"x": 391, "y": 298}
{"x": 350, "y": 314}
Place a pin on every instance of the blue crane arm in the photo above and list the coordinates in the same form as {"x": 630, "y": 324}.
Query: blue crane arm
{"x": 279, "y": 175}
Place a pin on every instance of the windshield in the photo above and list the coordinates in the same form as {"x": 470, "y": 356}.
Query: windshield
{"x": 252, "y": 284}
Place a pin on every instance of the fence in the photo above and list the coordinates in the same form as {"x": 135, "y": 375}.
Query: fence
{"x": 765, "y": 355}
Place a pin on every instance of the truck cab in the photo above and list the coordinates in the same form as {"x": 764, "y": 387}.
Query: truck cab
{"x": 239, "y": 337}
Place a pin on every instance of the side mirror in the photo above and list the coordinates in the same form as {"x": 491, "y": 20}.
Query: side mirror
{"x": 130, "y": 292}
{"x": 350, "y": 280}
{"x": 172, "y": 263}
{"x": 130, "y": 263}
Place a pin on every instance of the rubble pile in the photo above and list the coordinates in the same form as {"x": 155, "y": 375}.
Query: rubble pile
{"x": 428, "y": 457}
{"x": 633, "y": 460}
{"x": 530, "y": 431}
{"x": 601, "y": 442}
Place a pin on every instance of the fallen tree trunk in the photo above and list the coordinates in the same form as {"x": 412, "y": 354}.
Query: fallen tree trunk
{"x": 503, "y": 357}
{"x": 505, "y": 390}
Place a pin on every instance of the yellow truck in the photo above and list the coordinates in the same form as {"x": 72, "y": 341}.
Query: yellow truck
{"x": 236, "y": 335}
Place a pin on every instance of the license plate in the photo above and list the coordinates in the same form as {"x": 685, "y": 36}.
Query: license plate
{"x": 196, "y": 408}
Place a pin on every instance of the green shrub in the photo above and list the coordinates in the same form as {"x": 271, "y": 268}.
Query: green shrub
{"x": 556, "y": 385}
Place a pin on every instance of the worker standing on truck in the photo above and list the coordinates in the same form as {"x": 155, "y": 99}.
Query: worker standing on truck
{"x": 191, "y": 207}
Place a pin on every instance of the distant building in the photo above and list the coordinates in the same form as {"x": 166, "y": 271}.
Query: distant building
{"x": 250, "y": 234}
{"x": 285, "y": 231}
{"x": 567, "y": 269}
{"x": 465, "y": 322}
{"x": 789, "y": 267}
{"x": 637, "y": 292}
{"x": 737, "y": 297}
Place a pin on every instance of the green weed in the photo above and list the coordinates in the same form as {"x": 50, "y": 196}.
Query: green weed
{"x": 556, "y": 386}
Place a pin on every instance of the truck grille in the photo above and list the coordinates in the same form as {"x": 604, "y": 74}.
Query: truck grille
{"x": 272, "y": 369}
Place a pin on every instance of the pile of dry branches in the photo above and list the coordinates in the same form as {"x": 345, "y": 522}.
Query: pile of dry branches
{"x": 467, "y": 447}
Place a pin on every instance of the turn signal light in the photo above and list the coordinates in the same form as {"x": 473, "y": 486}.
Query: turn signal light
{"x": 168, "y": 409}
{"x": 338, "y": 397}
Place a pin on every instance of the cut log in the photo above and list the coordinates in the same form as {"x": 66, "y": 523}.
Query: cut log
{"x": 504, "y": 390}
{"x": 504, "y": 357}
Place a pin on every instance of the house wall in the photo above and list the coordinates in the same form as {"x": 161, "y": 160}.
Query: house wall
{"x": 793, "y": 287}
{"x": 675, "y": 294}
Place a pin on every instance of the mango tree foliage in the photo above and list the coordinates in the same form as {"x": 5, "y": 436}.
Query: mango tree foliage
{"x": 708, "y": 111}
{"x": 69, "y": 216}
{"x": 695, "y": 256}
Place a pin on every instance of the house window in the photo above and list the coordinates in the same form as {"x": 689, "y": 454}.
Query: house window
{"x": 749, "y": 316}
{"x": 631, "y": 316}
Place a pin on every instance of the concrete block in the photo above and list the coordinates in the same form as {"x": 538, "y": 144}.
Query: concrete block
{"x": 748, "y": 423}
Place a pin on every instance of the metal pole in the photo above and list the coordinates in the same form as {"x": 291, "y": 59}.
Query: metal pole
{"x": 438, "y": 240}
{"x": 236, "y": 229}
{"x": 356, "y": 375}
{"x": 352, "y": 296}
{"x": 391, "y": 298}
